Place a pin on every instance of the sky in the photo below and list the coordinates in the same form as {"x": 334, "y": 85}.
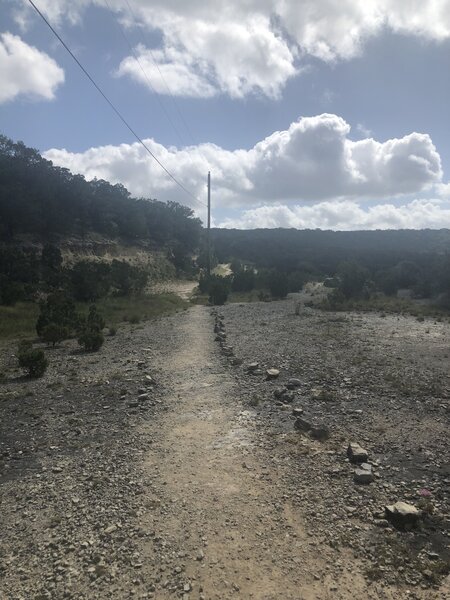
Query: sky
{"x": 330, "y": 114}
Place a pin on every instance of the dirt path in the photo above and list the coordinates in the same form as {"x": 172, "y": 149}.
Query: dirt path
{"x": 234, "y": 530}
{"x": 142, "y": 472}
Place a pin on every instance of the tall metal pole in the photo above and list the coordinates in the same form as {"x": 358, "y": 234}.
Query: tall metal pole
{"x": 208, "y": 232}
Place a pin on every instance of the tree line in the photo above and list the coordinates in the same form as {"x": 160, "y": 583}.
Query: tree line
{"x": 50, "y": 202}
{"x": 358, "y": 264}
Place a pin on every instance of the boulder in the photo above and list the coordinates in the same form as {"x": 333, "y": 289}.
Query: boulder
{"x": 356, "y": 453}
{"x": 302, "y": 425}
{"x": 363, "y": 474}
{"x": 272, "y": 373}
{"x": 402, "y": 515}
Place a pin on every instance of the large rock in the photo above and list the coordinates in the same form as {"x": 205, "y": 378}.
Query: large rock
{"x": 364, "y": 474}
{"x": 302, "y": 425}
{"x": 356, "y": 453}
{"x": 402, "y": 515}
{"x": 253, "y": 366}
{"x": 272, "y": 373}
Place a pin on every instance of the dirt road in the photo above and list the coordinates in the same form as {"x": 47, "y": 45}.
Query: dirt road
{"x": 226, "y": 516}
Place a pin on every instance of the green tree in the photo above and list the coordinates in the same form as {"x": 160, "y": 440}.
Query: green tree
{"x": 90, "y": 280}
{"x": 90, "y": 334}
{"x": 59, "y": 312}
{"x": 32, "y": 359}
{"x": 278, "y": 284}
{"x": 53, "y": 333}
{"x": 352, "y": 278}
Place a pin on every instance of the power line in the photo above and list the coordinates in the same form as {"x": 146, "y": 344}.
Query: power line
{"x": 124, "y": 121}
{"x": 136, "y": 58}
{"x": 175, "y": 103}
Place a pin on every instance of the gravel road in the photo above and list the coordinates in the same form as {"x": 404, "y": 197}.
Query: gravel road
{"x": 157, "y": 468}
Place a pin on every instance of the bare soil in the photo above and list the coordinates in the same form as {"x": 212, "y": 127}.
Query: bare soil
{"x": 158, "y": 469}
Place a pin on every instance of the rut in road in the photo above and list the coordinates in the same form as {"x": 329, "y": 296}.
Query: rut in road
{"x": 223, "y": 511}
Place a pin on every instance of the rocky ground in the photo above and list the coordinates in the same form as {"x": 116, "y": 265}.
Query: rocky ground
{"x": 162, "y": 468}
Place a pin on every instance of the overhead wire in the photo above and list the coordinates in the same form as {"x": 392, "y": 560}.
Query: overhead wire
{"x": 175, "y": 103}
{"x": 116, "y": 110}
{"x": 151, "y": 86}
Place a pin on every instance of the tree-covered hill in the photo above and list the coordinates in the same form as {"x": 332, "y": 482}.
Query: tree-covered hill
{"x": 322, "y": 251}
{"x": 50, "y": 202}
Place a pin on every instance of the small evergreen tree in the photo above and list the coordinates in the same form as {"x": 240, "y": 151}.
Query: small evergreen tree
{"x": 32, "y": 359}
{"x": 54, "y": 333}
{"x": 90, "y": 334}
{"x": 59, "y": 311}
{"x": 218, "y": 289}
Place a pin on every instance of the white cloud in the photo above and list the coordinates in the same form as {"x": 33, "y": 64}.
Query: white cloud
{"x": 179, "y": 73}
{"x": 255, "y": 46}
{"x": 206, "y": 56}
{"x": 26, "y": 70}
{"x": 346, "y": 215}
{"x": 313, "y": 160}
{"x": 443, "y": 190}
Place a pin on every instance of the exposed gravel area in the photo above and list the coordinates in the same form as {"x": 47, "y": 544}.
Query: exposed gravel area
{"x": 157, "y": 468}
{"x": 381, "y": 381}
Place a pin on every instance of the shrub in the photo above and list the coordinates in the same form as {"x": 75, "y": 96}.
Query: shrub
{"x": 112, "y": 331}
{"x": 58, "y": 310}
{"x": 127, "y": 279}
{"x": 53, "y": 333}
{"x": 94, "y": 319}
{"x": 32, "y": 359}
{"x": 90, "y": 331}
{"x": 218, "y": 289}
{"x": 134, "y": 319}
{"x": 91, "y": 339}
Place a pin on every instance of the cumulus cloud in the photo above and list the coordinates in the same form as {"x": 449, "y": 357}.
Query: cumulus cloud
{"x": 313, "y": 160}
{"x": 346, "y": 215}
{"x": 26, "y": 70}
{"x": 202, "y": 57}
{"x": 242, "y": 47}
{"x": 180, "y": 75}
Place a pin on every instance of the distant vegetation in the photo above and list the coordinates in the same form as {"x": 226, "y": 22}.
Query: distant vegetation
{"x": 358, "y": 265}
{"x": 41, "y": 205}
{"x": 50, "y": 202}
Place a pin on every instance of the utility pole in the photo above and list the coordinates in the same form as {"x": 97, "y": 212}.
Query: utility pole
{"x": 208, "y": 231}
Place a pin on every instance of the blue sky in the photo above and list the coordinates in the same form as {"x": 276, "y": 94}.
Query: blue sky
{"x": 308, "y": 114}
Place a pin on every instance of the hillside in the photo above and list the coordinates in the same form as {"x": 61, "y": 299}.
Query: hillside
{"x": 48, "y": 203}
